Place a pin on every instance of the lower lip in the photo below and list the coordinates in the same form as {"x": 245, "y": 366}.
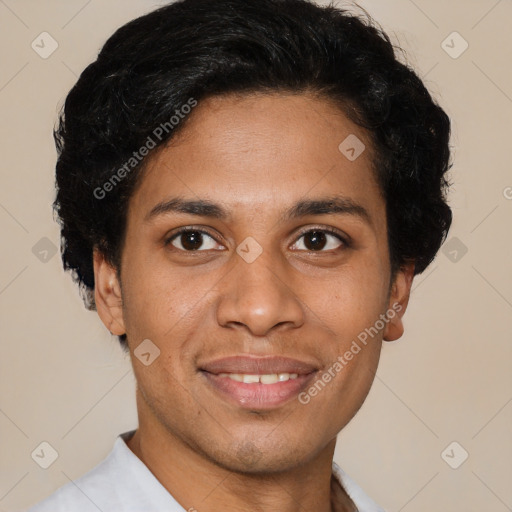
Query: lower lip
{"x": 257, "y": 395}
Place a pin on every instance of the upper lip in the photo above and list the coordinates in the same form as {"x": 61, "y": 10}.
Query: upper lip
{"x": 252, "y": 365}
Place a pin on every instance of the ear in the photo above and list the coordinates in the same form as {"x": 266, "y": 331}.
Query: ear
{"x": 398, "y": 300}
{"x": 107, "y": 294}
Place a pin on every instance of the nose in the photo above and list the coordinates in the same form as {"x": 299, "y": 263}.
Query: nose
{"x": 260, "y": 297}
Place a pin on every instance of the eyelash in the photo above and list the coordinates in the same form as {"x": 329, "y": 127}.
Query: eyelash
{"x": 329, "y": 231}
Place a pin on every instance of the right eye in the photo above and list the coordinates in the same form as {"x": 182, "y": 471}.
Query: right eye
{"x": 189, "y": 240}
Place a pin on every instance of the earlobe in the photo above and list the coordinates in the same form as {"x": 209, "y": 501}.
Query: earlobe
{"x": 398, "y": 300}
{"x": 107, "y": 294}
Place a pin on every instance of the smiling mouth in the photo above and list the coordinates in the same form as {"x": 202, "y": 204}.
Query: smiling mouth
{"x": 269, "y": 378}
{"x": 257, "y": 383}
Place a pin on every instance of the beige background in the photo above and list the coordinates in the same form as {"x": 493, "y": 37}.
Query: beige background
{"x": 63, "y": 380}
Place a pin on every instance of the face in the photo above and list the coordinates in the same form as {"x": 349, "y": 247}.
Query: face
{"x": 255, "y": 257}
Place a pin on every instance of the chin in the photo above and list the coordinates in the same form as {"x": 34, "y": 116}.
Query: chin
{"x": 248, "y": 458}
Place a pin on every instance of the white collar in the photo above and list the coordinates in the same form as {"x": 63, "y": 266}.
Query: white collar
{"x": 122, "y": 482}
{"x": 357, "y": 495}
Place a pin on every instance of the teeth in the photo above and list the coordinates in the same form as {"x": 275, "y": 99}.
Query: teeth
{"x": 251, "y": 379}
{"x": 271, "y": 378}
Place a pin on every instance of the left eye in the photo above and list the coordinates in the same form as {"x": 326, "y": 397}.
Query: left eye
{"x": 318, "y": 240}
{"x": 191, "y": 240}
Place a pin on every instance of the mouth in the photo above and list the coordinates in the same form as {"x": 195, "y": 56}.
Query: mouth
{"x": 258, "y": 383}
{"x": 268, "y": 378}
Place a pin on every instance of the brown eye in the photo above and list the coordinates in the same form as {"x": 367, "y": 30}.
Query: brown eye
{"x": 192, "y": 240}
{"x": 315, "y": 240}
{"x": 319, "y": 240}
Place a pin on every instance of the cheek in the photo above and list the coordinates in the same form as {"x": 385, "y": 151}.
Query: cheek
{"x": 360, "y": 298}
{"x": 170, "y": 309}
{"x": 355, "y": 300}
{"x": 157, "y": 301}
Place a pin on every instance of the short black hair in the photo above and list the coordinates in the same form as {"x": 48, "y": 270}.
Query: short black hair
{"x": 150, "y": 68}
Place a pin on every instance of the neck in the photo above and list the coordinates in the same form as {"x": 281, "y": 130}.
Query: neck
{"x": 200, "y": 484}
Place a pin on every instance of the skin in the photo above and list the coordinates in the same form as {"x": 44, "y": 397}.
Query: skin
{"x": 256, "y": 156}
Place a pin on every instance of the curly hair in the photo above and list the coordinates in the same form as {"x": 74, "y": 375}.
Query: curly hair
{"x": 149, "y": 68}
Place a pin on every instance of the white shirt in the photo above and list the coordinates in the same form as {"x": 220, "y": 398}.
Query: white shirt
{"x": 123, "y": 483}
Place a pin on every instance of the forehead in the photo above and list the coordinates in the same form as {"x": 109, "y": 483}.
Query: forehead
{"x": 262, "y": 151}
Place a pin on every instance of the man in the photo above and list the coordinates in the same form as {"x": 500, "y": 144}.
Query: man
{"x": 246, "y": 190}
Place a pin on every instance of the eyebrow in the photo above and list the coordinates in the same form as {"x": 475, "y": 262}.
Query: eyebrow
{"x": 201, "y": 207}
{"x": 303, "y": 208}
{"x": 333, "y": 205}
